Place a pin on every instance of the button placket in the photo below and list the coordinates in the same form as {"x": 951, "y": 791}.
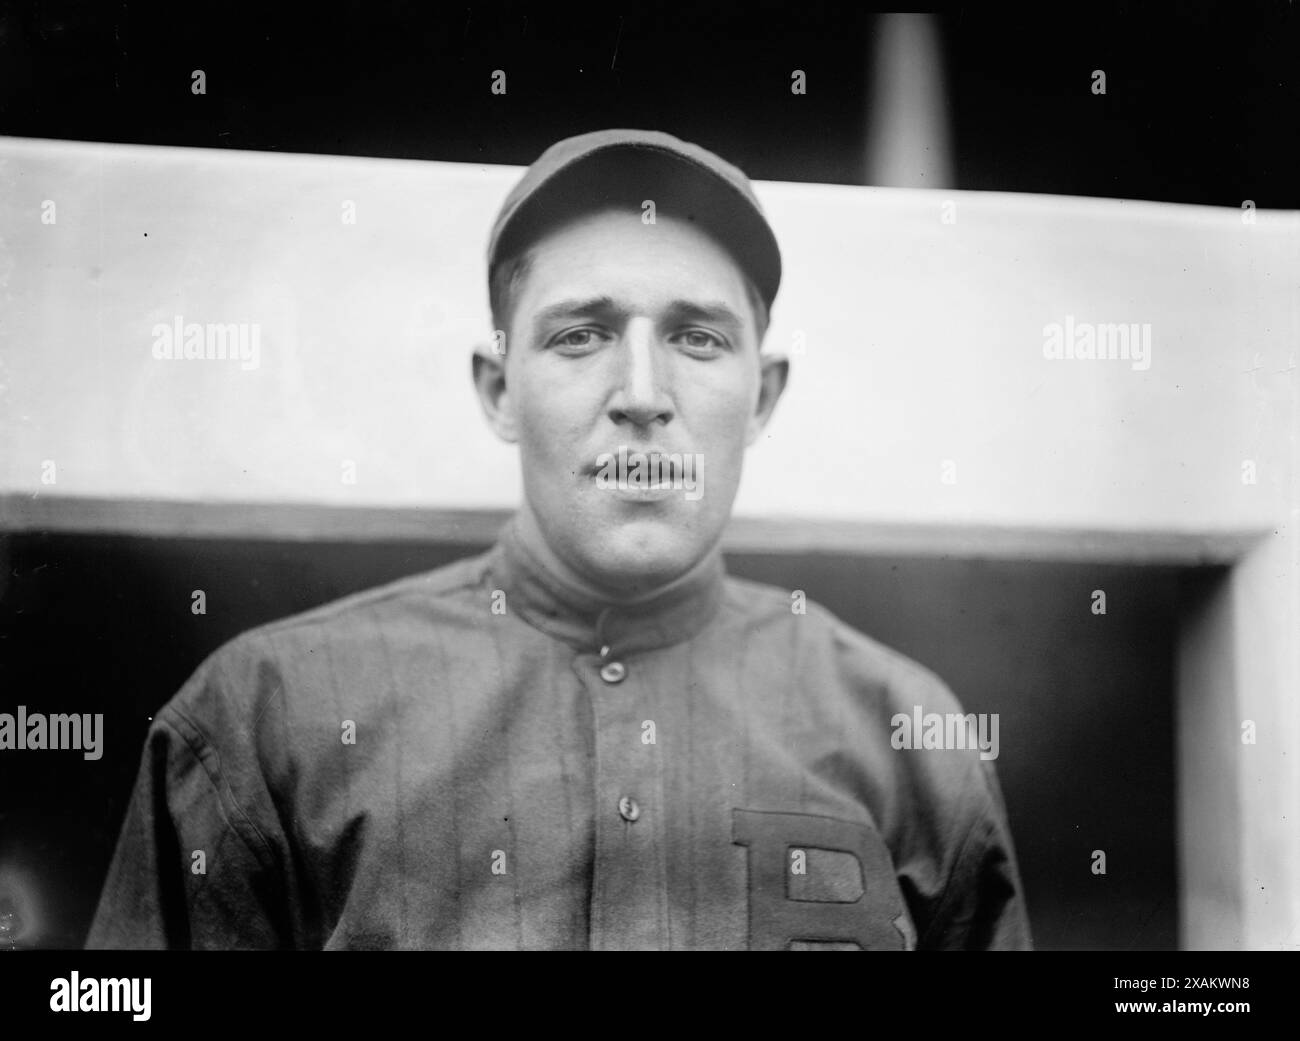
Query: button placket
{"x": 629, "y": 886}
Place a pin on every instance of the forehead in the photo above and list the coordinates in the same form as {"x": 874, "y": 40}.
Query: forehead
{"x": 615, "y": 253}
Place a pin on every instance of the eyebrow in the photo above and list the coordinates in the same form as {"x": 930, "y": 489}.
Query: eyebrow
{"x": 714, "y": 311}
{"x": 596, "y": 305}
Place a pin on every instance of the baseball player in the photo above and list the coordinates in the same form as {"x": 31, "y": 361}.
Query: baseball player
{"x": 589, "y": 736}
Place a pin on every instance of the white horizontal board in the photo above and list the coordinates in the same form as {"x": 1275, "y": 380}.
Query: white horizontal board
{"x": 917, "y": 345}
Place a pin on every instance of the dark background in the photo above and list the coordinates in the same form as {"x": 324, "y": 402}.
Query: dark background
{"x": 103, "y": 624}
{"x": 1200, "y": 106}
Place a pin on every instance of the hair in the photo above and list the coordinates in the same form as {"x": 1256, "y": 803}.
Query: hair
{"x": 503, "y": 284}
{"x": 509, "y": 274}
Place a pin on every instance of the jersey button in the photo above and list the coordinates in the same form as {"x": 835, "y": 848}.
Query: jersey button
{"x": 628, "y": 809}
{"x": 613, "y": 671}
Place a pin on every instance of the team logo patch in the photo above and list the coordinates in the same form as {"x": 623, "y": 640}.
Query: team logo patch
{"x": 818, "y": 883}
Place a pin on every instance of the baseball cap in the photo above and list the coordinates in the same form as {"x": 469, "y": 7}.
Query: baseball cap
{"x": 628, "y": 167}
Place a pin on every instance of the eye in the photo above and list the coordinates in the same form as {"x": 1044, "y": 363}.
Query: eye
{"x": 701, "y": 342}
{"x": 578, "y": 341}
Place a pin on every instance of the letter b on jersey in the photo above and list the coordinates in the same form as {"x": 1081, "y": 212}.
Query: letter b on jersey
{"x": 846, "y": 896}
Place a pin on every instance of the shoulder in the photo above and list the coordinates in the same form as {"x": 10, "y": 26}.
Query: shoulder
{"x": 870, "y": 696}
{"x": 922, "y": 765}
{"x": 313, "y": 649}
{"x": 430, "y": 591}
{"x": 861, "y": 662}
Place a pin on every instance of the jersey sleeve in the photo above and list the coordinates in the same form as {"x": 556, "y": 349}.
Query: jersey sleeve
{"x": 982, "y": 905}
{"x": 196, "y": 863}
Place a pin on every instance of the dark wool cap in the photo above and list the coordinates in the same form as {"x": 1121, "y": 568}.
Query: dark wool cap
{"x": 626, "y": 168}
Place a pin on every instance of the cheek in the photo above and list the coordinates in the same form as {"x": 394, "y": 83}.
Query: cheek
{"x": 550, "y": 416}
{"x": 721, "y": 412}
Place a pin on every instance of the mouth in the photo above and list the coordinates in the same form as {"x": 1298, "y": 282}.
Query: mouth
{"x": 652, "y": 493}
{"x": 640, "y": 474}
{"x": 667, "y": 463}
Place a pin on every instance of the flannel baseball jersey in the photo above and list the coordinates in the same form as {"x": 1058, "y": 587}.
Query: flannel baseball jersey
{"x": 482, "y": 757}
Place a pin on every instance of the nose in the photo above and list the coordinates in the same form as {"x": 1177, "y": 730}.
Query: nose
{"x": 642, "y": 397}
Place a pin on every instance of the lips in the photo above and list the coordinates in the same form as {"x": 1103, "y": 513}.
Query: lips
{"x": 669, "y": 463}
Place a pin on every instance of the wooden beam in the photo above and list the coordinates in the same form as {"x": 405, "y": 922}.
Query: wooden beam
{"x": 332, "y": 523}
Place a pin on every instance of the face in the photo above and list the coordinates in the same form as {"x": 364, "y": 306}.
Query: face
{"x": 625, "y": 334}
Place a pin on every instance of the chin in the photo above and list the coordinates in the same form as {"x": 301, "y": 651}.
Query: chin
{"x": 644, "y": 553}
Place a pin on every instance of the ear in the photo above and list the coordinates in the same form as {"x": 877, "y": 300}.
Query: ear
{"x": 772, "y": 378}
{"x": 489, "y": 371}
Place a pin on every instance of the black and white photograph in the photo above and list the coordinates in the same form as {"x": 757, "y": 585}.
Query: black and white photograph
{"x": 711, "y": 477}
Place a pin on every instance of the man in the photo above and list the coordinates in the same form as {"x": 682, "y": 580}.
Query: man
{"x": 588, "y": 737}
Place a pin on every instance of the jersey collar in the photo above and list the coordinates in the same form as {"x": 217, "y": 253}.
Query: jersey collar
{"x": 587, "y": 623}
